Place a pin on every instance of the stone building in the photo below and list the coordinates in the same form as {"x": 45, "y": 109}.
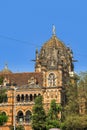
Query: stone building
{"x": 53, "y": 69}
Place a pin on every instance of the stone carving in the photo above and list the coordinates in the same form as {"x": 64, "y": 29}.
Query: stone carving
{"x": 31, "y": 81}
{"x": 51, "y": 80}
{"x": 53, "y": 54}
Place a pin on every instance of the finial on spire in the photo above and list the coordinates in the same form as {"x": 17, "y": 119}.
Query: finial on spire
{"x": 36, "y": 54}
{"x": 54, "y": 30}
{"x": 6, "y": 66}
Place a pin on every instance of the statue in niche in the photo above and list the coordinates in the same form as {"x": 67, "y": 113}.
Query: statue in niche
{"x": 6, "y": 81}
{"x": 54, "y": 30}
{"x": 43, "y": 52}
{"x": 52, "y": 62}
{"x": 31, "y": 81}
{"x": 54, "y": 52}
{"x": 51, "y": 80}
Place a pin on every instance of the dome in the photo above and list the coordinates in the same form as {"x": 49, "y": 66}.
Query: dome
{"x": 6, "y": 70}
{"x": 53, "y": 54}
{"x": 54, "y": 42}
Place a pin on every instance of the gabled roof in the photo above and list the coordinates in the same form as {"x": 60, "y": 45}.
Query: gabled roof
{"x": 22, "y": 78}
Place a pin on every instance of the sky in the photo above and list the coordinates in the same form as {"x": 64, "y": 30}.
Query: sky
{"x": 26, "y": 25}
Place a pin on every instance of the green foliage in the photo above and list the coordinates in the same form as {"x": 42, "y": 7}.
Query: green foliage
{"x": 53, "y": 111}
{"x": 71, "y": 119}
{"x": 3, "y": 119}
{"x": 74, "y": 122}
{"x": 39, "y": 116}
{"x": 75, "y": 92}
{"x": 39, "y": 119}
{"x": 52, "y": 124}
{"x": 82, "y": 92}
{"x": 1, "y": 80}
{"x": 52, "y": 120}
{"x": 72, "y": 100}
{"x": 19, "y": 127}
{"x": 82, "y": 86}
{"x": 3, "y": 95}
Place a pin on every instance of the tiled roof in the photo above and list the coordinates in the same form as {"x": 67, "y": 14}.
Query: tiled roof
{"x": 22, "y": 78}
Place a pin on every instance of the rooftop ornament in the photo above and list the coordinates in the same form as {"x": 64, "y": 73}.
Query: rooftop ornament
{"x": 54, "y": 30}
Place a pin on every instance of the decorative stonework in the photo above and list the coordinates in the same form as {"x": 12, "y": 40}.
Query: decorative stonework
{"x": 53, "y": 68}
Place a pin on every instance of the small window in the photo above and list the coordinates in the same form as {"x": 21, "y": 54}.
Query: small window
{"x": 31, "y": 97}
{"x": 22, "y": 97}
{"x": 26, "y": 97}
{"x": 18, "y": 98}
{"x": 35, "y": 96}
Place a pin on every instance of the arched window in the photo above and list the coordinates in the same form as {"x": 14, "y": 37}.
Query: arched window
{"x": 22, "y": 97}
{"x": 18, "y": 98}
{"x": 20, "y": 117}
{"x": 39, "y": 94}
{"x": 3, "y": 113}
{"x": 27, "y": 116}
{"x": 26, "y": 98}
{"x": 51, "y": 80}
{"x": 35, "y": 96}
{"x": 31, "y": 97}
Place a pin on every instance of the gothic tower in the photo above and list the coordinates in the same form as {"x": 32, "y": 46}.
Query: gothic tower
{"x": 56, "y": 64}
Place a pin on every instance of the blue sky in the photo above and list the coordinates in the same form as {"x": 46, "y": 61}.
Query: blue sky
{"x": 26, "y": 24}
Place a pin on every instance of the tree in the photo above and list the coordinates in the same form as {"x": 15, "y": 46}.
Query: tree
{"x": 38, "y": 116}
{"x": 75, "y": 93}
{"x": 75, "y": 122}
{"x": 82, "y": 91}
{"x": 52, "y": 120}
{"x": 1, "y": 80}
{"x": 71, "y": 108}
{"x": 71, "y": 100}
{"x": 19, "y": 127}
{"x": 3, "y": 119}
{"x": 3, "y": 95}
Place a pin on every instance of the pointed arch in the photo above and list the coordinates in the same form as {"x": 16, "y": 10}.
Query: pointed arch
{"x": 4, "y": 113}
{"x": 28, "y": 116}
{"x": 20, "y": 116}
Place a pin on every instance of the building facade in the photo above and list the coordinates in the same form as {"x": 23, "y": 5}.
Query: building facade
{"x": 53, "y": 69}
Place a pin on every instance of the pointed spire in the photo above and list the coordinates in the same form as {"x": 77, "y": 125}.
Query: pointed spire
{"x": 36, "y": 50}
{"x": 6, "y": 70}
{"x": 53, "y": 30}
